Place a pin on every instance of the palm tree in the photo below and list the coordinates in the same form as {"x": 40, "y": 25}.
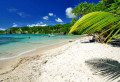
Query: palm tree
{"x": 106, "y": 23}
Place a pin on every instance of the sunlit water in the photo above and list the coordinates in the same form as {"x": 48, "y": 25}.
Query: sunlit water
{"x": 12, "y": 45}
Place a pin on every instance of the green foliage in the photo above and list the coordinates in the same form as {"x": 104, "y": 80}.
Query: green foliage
{"x": 98, "y": 22}
{"x": 74, "y": 20}
{"x": 112, "y": 6}
{"x": 39, "y": 29}
{"x": 85, "y": 8}
{"x": 2, "y": 32}
{"x": 108, "y": 2}
{"x": 115, "y": 8}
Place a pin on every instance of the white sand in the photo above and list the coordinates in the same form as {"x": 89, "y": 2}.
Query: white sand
{"x": 63, "y": 64}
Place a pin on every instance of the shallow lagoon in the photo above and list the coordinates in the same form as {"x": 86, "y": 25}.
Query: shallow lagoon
{"x": 16, "y": 44}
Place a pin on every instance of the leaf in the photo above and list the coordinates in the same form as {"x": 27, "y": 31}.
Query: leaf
{"x": 97, "y": 21}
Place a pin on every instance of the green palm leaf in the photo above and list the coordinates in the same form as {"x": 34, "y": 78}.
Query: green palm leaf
{"x": 97, "y": 21}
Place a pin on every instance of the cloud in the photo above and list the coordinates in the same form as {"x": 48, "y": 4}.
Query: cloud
{"x": 45, "y": 17}
{"x": 58, "y": 20}
{"x": 69, "y": 13}
{"x": 50, "y": 14}
{"x": 37, "y": 24}
{"x": 2, "y": 29}
{"x": 22, "y": 14}
{"x": 41, "y": 22}
{"x": 12, "y": 10}
{"x": 14, "y": 25}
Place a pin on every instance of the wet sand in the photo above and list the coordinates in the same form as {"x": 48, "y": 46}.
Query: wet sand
{"x": 9, "y": 64}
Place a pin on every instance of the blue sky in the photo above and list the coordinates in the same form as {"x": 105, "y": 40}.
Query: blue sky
{"x": 36, "y": 12}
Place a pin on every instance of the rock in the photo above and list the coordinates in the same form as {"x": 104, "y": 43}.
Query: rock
{"x": 63, "y": 33}
{"x": 24, "y": 32}
{"x": 70, "y": 41}
{"x": 9, "y": 31}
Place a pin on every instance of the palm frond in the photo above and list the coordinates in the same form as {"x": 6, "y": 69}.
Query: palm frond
{"x": 108, "y": 68}
{"x": 96, "y": 21}
{"x": 112, "y": 28}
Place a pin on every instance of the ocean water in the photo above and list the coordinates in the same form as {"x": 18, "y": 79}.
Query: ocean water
{"x": 12, "y": 45}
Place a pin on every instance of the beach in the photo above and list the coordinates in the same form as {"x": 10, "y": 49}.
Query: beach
{"x": 63, "y": 62}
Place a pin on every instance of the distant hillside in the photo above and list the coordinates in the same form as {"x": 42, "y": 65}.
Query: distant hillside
{"x": 58, "y": 28}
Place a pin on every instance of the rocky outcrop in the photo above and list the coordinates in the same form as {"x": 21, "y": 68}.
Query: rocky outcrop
{"x": 24, "y": 32}
{"x": 9, "y": 31}
{"x": 63, "y": 33}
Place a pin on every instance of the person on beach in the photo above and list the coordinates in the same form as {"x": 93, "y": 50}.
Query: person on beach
{"x": 93, "y": 38}
{"x": 97, "y": 38}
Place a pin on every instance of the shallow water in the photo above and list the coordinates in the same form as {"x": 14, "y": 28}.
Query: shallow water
{"x": 15, "y": 44}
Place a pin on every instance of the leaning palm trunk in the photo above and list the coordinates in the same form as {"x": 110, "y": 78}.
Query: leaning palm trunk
{"x": 103, "y": 22}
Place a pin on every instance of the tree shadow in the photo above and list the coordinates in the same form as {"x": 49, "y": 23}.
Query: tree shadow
{"x": 115, "y": 42}
{"x": 108, "y": 68}
{"x": 86, "y": 42}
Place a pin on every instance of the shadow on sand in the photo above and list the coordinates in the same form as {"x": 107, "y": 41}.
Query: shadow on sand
{"x": 115, "y": 43}
{"x": 108, "y": 68}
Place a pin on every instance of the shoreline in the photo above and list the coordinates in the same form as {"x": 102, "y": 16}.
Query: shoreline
{"x": 28, "y": 51}
{"x": 67, "y": 62}
{"x": 20, "y": 54}
{"x": 34, "y": 49}
{"x": 8, "y": 63}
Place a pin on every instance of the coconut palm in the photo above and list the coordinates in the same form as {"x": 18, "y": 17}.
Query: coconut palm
{"x": 103, "y": 22}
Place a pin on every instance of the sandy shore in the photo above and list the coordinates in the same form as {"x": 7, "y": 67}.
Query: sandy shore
{"x": 67, "y": 63}
{"x": 9, "y": 64}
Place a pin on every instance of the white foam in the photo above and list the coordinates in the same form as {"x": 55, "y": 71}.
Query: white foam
{"x": 5, "y": 58}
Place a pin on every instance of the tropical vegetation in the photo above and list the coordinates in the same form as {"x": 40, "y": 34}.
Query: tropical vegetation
{"x": 98, "y": 22}
{"x": 58, "y": 28}
{"x": 102, "y": 18}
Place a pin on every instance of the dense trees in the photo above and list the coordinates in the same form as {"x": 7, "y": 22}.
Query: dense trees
{"x": 74, "y": 20}
{"x": 105, "y": 22}
{"x": 112, "y": 6}
{"x": 85, "y": 8}
{"x": 39, "y": 29}
{"x": 2, "y": 32}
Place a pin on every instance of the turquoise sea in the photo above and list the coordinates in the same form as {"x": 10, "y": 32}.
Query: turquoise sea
{"x": 12, "y": 45}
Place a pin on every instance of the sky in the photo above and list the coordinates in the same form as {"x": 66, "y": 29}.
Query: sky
{"x": 16, "y": 13}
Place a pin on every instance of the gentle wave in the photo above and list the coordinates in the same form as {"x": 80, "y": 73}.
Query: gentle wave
{"x": 5, "y": 58}
{"x": 12, "y": 45}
